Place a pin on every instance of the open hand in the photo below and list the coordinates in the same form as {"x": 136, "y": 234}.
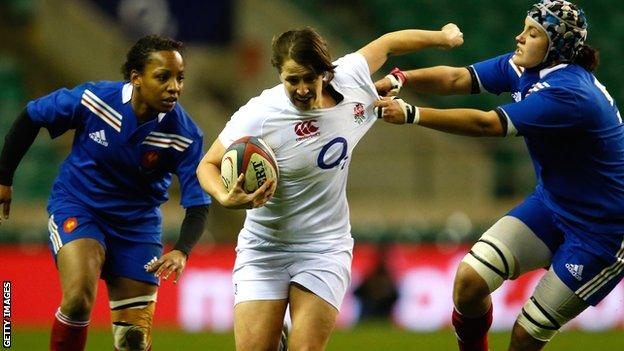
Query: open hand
{"x": 5, "y": 201}
{"x": 173, "y": 261}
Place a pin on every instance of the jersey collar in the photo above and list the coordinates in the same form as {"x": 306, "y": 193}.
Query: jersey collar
{"x": 126, "y": 95}
{"x": 546, "y": 71}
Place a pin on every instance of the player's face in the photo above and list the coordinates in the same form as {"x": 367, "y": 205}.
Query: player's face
{"x": 532, "y": 45}
{"x": 303, "y": 86}
{"x": 158, "y": 88}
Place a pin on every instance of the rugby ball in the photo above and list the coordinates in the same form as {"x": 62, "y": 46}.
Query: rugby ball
{"x": 251, "y": 156}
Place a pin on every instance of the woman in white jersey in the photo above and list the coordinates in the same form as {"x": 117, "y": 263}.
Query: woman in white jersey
{"x": 295, "y": 247}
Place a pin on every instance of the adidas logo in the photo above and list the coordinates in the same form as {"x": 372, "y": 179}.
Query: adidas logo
{"x": 576, "y": 270}
{"x": 538, "y": 86}
{"x": 99, "y": 137}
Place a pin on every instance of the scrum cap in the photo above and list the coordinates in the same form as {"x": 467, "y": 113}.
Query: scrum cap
{"x": 565, "y": 25}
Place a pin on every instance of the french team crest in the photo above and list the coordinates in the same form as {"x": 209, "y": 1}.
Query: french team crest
{"x": 150, "y": 159}
{"x": 358, "y": 113}
{"x": 70, "y": 224}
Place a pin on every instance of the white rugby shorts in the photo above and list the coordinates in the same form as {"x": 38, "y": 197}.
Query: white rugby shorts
{"x": 266, "y": 275}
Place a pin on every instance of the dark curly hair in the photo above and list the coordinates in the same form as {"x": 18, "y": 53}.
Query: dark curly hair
{"x": 139, "y": 53}
{"x": 587, "y": 57}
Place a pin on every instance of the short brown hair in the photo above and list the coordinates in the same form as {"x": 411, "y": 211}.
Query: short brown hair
{"x": 304, "y": 46}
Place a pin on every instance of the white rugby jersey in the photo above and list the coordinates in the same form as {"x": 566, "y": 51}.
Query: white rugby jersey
{"x": 313, "y": 149}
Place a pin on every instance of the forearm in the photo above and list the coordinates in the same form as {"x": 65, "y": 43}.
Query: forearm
{"x": 470, "y": 122}
{"x": 409, "y": 40}
{"x": 192, "y": 228}
{"x": 405, "y": 41}
{"x": 16, "y": 143}
{"x": 209, "y": 176}
{"x": 440, "y": 80}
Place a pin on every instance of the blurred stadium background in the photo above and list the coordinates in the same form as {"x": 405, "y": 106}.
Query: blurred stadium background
{"x": 417, "y": 198}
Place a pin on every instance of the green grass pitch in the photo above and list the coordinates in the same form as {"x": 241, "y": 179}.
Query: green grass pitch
{"x": 364, "y": 337}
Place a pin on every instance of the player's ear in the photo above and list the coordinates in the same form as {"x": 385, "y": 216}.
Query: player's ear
{"x": 135, "y": 79}
{"x": 327, "y": 77}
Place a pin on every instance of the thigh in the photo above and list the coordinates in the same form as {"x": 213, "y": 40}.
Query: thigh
{"x": 127, "y": 259}
{"x": 531, "y": 234}
{"x": 589, "y": 264}
{"x": 120, "y": 288}
{"x": 313, "y": 319}
{"x": 261, "y": 275}
{"x": 258, "y": 324}
{"x": 77, "y": 244}
{"x": 551, "y": 306}
{"x": 327, "y": 274}
{"x": 555, "y": 297}
{"x": 79, "y": 263}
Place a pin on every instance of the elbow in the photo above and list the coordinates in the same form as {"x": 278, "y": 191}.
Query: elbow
{"x": 459, "y": 80}
{"x": 489, "y": 124}
{"x": 198, "y": 170}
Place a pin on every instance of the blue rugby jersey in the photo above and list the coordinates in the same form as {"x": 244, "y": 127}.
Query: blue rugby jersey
{"x": 574, "y": 134}
{"x": 119, "y": 169}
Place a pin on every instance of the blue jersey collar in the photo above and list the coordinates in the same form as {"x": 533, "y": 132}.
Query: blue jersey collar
{"x": 126, "y": 96}
{"x": 546, "y": 71}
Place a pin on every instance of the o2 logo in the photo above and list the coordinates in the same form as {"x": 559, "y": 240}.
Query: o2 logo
{"x": 326, "y": 158}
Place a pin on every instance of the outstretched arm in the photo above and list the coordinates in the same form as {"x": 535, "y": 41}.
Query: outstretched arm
{"x": 439, "y": 80}
{"x": 16, "y": 143}
{"x": 462, "y": 121}
{"x": 404, "y": 41}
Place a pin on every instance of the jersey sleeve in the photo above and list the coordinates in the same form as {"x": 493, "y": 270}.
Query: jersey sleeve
{"x": 192, "y": 193}
{"x": 352, "y": 70}
{"x": 247, "y": 121}
{"x": 57, "y": 111}
{"x": 497, "y": 75}
{"x": 543, "y": 111}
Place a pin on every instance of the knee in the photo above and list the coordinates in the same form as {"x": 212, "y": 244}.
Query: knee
{"x": 488, "y": 264}
{"x": 78, "y": 302}
{"x": 469, "y": 286}
{"x": 259, "y": 342}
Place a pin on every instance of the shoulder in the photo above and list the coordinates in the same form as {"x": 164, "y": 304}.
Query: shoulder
{"x": 103, "y": 88}
{"x": 556, "y": 94}
{"x": 352, "y": 63}
{"x": 184, "y": 123}
{"x": 270, "y": 101}
{"x": 352, "y": 70}
{"x": 567, "y": 81}
{"x": 348, "y": 61}
{"x": 106, "y": 94}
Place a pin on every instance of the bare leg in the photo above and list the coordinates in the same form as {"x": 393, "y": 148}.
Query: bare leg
{"x": 313, "y": 320}
{"x": 79, "y": 264}
{"x": 258, "y": 324}
{"x": 472, "y": 316}
{"x": 523, "y": 341}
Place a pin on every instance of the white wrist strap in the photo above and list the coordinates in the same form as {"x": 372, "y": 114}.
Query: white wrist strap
{"x": 411, "y": 112}
{"x": 397, "y": 84}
